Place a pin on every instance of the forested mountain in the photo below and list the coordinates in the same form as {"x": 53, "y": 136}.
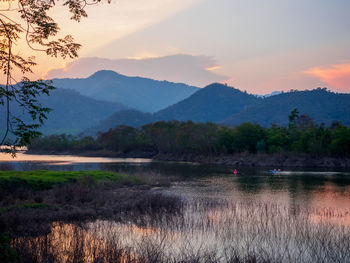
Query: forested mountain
{"x": 74, "y": 113}
{"x": 71, "y": 112}
{"x": 321, "y": 105}
{"x": 274, "y": 93}
{"x": 213, "y": 103}
{"x": 228, "y": 106}
{"x": 131, "y": 118}
{"x": 143, "y": 94}
{"x": 210, "y": 104}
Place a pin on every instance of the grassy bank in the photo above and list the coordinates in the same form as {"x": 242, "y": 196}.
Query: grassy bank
{"x": 43, "y": 179}
{"x": 30, "y": 201}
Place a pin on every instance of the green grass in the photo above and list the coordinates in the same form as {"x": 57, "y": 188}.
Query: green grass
{"x": 31, "y": 206}
{"x": 43, "y": 179}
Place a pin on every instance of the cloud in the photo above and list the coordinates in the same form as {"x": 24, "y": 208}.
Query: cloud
{"x": 337, "y": 76}
{"x": 108, "y": 22}
{"x": 193, "y": 70}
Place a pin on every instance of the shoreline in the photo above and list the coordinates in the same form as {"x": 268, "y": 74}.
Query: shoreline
{"x": 37, "y": 203}
{"x": 239, "y": 160}
{"x": 264, "y": 160}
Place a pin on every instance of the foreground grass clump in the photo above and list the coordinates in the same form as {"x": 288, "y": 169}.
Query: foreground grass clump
{"x": 43, "y": 179}
{"x": 30, "y": 206}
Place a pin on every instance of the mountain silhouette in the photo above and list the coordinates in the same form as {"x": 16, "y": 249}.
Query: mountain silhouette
{"x": 213, "y": 103}
{"x": 319, "y": 104}
{"x": 131, "y": 118}
{"x": 143, "y": 94}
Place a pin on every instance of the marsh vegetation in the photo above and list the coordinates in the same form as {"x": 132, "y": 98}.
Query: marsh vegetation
{"x": 203, "y": 231}
{"x": 198, "y": 214}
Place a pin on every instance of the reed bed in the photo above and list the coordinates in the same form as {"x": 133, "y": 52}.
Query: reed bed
{"x": 202, "y": 230}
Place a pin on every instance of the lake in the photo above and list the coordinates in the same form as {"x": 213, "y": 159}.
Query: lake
{"x": 298, "y": 215}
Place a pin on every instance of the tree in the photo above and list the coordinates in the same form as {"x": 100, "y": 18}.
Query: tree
{"x": 40, "y": 33}
{"x": 277, "y": 139}
{"x": 247, "y": 137}
{"x": 305, "y": 122}
{"x": 293, "y": 117}
{"x": 340, "y": 144}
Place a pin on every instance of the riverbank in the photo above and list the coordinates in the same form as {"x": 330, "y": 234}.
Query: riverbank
{"x": 30, "y": 201}
{"x": 98, "y": 153}
{"x": 261, "y": 160}
{"x": 239, "y": 159}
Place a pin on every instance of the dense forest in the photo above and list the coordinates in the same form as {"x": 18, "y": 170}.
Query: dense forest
{"x": 301, "y": 135}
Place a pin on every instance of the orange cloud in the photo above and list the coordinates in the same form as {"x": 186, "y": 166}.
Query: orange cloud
{"x": 213, "y": 68}
{"x": 337, "y": 76}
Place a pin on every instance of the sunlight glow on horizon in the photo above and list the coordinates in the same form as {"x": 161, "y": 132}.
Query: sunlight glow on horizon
{"x": 337, "y": 76}
{"x": 256, "y": 46}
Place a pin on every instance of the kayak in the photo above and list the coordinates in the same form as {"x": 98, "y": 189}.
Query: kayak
{"x": 275, "y": 172}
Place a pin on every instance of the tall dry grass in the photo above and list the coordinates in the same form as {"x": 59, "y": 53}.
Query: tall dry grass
{"x": 201, "y": 230}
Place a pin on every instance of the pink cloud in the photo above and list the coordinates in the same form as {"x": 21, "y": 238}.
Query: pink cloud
{"x": 192, "y": 70}
{"x": 337, "y": 76}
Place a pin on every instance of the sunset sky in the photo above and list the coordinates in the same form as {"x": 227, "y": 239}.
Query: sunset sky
{"x": 254, "y": 45}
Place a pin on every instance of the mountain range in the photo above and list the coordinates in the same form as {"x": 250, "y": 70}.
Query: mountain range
{"x": 70, "y": 112}
{"x": 76, "y": 109}
{"x": 213, "y": 103}
{"x": 142, "y": 94}
{"x": 231, "y": 107}
{"x": 73, "y": 112}
{"x": 320, "y": 104}
{"x": 133, "y": 118}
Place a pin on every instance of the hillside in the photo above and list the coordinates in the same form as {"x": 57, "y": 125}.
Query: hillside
{"x": 71, "y": 112}
{"x": 143, "y": 94}
{"x": 321, "y": 105}
{"x": 131, "y": 118}
{"x": 213, "y": 103}
{"x": 210, "y": 104}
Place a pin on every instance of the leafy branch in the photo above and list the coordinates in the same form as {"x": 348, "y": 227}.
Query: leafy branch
{"x": 40, "y": 32}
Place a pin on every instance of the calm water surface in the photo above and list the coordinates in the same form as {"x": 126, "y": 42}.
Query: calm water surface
{"x": 297, "y": 216}
{"x": 327, "y": 188}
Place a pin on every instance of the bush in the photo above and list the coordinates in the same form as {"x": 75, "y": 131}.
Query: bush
{"x": 7, "y": 254}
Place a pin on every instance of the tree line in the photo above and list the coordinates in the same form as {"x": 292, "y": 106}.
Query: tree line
{"x": 302, "y": 135}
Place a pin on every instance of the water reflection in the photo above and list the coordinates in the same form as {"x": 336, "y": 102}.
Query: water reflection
{"x": 65, "y": 159}
{"x": 322, "y": 188}
{"x": 206, "y": 231}
{"x": 297, "y": 216}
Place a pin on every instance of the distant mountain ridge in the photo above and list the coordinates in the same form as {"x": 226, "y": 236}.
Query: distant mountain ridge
{"x": 133, "y": 118}
{"x": 75, "y": 113}
{"x": 319, "y": 104}
{"x": 274, "y": 93}
{"x": 71, "y": 112}
{"x": 213, "y": 103}
{"x": 228, "y": 106}
{"x": 143, "y": 94}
